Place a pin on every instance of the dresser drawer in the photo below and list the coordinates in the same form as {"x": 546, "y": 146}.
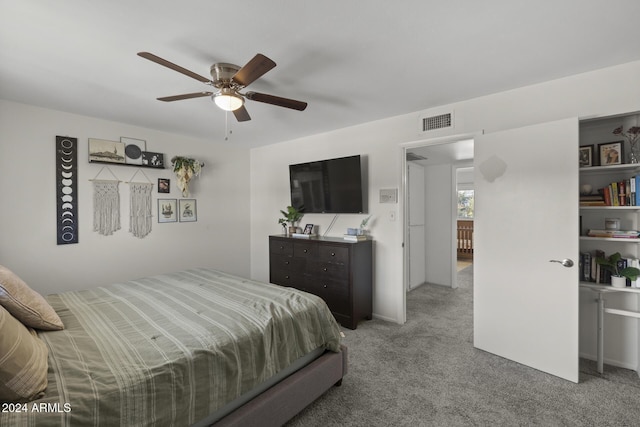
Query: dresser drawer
{"x": 305, "y": 250}
{"x": 329, "y": 270}
{"x": 281, "y": 247}
{"x": 334, "y": 254}
{"x": 334, "y": 293}
{"x": 287, "y": 263}
{"x": 285, "y": 278}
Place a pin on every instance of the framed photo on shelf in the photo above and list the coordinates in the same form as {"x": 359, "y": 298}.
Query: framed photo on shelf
{"x": 133, "y": 149}
{"x": 154, "y": 160}
{"x": 101, "y": 150}
{"x": 308, "y": 229}
{"x": 187, "y": 210}
{"x": 586, "y": 156}
{"x": 611, "y": 153}
{"x": 164, "y": 185}
{"x": 167, "y": 210}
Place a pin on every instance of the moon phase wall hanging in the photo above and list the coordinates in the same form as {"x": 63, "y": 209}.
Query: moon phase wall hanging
{"x": 66, "y": 189}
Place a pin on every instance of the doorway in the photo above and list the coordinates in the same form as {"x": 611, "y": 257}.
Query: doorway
{"x": 431, "y": 210}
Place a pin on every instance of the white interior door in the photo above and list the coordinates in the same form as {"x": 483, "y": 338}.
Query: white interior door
{"x": 526, "y": 214}
{"x": 417, "y": 237}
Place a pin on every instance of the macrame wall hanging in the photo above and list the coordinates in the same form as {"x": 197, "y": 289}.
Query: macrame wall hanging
{"x": 106, "y": 205}
{"x": 140, "y": 217}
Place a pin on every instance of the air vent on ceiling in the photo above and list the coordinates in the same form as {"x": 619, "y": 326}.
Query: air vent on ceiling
{"x": 440, "y": 121}
{"x": 413, "y": 157}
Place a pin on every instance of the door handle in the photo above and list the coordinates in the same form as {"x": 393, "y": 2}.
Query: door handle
{"x": 565, "y": 262}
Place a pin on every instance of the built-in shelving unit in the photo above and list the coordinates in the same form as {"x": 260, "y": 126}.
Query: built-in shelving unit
{"x": 617, "y": 305}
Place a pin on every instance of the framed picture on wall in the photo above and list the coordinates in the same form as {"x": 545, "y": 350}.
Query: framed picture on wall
{"x": 167, "y": 210}
{"x": 187, "y": 210}
{"x": 611, "y": 153}
{"x": 164, "y": 185}
{"x": 586, "y": 156}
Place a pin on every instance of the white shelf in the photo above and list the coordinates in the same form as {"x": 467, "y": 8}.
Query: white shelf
{"x": 596, "y": 170}
{"x": 608, "y": 288}
{"x": 611, "y": 239}
{"x": 620, "y": 208}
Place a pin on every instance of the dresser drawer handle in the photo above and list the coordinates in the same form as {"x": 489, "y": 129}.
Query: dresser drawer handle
{"x": 286, "y": 277}
{"x": 324, "y": 286}
{"x": 305, "y": 251}
{"x": 286, "y": 263}
{"x": 333, "y": 254}
{"x": 324, "y": 269}
{"x": 281, "y": 247}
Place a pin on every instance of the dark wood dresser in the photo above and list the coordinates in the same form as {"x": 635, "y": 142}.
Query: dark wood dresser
{"x": 338, "y": 271}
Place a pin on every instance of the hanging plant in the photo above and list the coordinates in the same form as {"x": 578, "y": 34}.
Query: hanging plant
{"x": 185, "y": 169}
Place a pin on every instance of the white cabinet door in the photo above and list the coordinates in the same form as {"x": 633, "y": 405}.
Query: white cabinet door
{"x": 526, "y": 214}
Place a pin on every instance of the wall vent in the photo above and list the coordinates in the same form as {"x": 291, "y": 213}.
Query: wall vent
{"x": 412, "y": 157}
{"x": 440, "y": 121}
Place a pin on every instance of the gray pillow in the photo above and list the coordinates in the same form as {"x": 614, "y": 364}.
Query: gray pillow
{"x": 23, "y": 361}
{"x": 25, "y": 304}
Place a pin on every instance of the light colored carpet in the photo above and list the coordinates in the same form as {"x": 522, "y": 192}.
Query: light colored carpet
{"x": 427, "y": 373}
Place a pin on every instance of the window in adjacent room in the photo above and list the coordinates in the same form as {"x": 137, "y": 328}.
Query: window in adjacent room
{"x": 465, "y": 204}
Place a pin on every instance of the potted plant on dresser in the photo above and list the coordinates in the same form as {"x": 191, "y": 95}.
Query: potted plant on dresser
{"x": 291, "y": 216}
{"x": 619, "y": 275}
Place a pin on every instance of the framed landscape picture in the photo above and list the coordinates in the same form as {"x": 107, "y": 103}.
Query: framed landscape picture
{"x": 101, "y": 150}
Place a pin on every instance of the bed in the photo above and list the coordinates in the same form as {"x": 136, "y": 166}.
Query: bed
{"x": 196, "y": 347}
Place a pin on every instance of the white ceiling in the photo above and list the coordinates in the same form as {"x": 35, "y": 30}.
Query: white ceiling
{"x": 352, "y": 61}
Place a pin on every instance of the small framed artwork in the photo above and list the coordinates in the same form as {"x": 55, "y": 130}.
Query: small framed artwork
{"x": 101, "y": 150}
{"x": 308, "y": 229}
{"x": 164, "y": 185}
{"x": 187, "y": 210}
{"x": 611, "y": 153}
{"x": 586, "y": 156}
{"x": 133, "y": 149}
{"x": 167, "y": 210}
{"x": 154, "y": 160}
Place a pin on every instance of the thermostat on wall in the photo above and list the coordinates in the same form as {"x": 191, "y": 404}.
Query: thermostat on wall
{"x": 388, "y": 195}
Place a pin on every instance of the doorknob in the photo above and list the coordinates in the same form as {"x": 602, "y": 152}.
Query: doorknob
{"x": 565, "y": 262}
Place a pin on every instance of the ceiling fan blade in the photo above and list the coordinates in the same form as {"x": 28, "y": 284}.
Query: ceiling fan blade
{"x": 164, "y": 62}
{"x": 276, "y": 100}
{"x": 242, "y": 115}
{"x": 185, "y": 96}
{"x": 253, "y": 70}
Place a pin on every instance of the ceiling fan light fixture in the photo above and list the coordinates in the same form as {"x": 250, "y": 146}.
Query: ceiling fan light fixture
{"x": 228, "y": 100}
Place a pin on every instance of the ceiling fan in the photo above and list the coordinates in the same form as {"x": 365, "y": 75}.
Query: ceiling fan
{"x": 229, "y": 80}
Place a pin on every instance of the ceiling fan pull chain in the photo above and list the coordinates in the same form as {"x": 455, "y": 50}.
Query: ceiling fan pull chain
{"x": 227, "y": 131}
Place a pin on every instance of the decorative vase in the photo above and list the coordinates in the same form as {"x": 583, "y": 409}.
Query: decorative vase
{"x": 634, "y": 153}
{"x": 618, "y": 281}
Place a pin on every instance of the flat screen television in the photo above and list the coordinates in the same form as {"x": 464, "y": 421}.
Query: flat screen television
{"x": 328, "y": 186}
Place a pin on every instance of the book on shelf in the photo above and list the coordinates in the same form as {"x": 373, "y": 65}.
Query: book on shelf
{"x": 616, "y": 193}
{"x": 303, "y": 236}
{"x": 591, "y": 271}
{"x": 614, "y": 234}
{"x": 355, "y": 238}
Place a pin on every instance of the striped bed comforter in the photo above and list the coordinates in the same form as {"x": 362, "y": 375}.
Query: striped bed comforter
{"x": 170, "y": 349}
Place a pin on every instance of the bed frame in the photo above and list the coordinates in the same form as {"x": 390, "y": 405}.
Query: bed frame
{"x": 280, "y": 403}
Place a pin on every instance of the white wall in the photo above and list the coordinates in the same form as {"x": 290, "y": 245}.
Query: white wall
{"x": 603, "y": 92}
{"x": 219, "y": 238}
